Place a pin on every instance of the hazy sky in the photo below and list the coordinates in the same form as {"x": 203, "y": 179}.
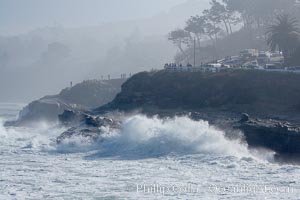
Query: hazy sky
{"x": 28, "y": 60}
{"x": 17, "y": 16}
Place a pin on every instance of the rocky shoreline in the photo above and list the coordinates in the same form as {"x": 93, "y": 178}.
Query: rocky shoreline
{"x": 279, "y": 136}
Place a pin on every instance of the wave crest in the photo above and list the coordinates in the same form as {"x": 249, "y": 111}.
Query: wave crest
{"x": 148, "y": 137}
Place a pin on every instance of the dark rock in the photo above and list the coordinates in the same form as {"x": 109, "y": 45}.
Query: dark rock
{"x": 98, "y": 121}
{"x": 91, "y": 121}
{"x": 91, "y": 134}
{"x": 85, "y": 125}
{"x": 74, "y": 118}
{"x": 281, "y": 137}
{"x": 245, "y": 118}
{"x": 70, "y": 117}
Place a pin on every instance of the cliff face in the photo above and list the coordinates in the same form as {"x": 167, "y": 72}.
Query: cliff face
{"x": 255, "y": 92}
{"x": 83, "y": 96}
{"x": 92, "y": 93}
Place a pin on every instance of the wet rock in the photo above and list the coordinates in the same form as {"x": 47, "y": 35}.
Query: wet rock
{"x": 70, "y": 117}
{"x": 98, "y": 121}
{"x": 74, "y": 118}
{"x": 281, "y": 137}
{"x": 85, "y": 126}
{"x": 245, "y": 118}
{"x": 88, "y": 133}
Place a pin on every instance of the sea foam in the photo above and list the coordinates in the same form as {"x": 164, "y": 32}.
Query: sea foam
{"x": 139, "y": 136}
{"x": 151, "y": 137}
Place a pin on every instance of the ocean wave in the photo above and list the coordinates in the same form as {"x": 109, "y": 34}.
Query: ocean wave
{"x": 138, "y": 137}
{"x": 141, "y": 136}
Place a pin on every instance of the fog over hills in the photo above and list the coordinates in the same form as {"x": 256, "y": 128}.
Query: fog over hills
{"x": 46, "y": 44}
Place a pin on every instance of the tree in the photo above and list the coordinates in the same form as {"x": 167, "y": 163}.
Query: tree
{"x": 180, "y": 37}
{"x": 221, "y": 14}
{"x": 284, "y": 35}
{"x": 212, "y": 25}
{"x": 230, "y": 16}
{"x": 196, "y": 25}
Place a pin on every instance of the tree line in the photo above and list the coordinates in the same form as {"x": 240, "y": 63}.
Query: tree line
{"x": 226, "y": 18}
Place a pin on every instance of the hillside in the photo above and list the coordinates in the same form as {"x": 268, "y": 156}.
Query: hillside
{"x": 255, "y": 92}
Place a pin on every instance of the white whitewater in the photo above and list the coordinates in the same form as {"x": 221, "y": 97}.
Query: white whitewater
{"x": 193, "y": 159}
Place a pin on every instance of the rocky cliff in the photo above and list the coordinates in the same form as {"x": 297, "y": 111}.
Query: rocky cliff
{"x": 258, "y": 93}
{"x": 271, "y": 98}
{"x": 83, "y": 96}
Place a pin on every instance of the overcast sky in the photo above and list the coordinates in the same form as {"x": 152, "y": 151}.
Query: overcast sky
{"x": 18, "y": 16}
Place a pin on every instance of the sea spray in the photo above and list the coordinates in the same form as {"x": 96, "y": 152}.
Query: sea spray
{"x": 41, "y": 137}
{"x": 2, "y": 129}
{"x": 30, "y": 169}
{"x": 141, "y": 136}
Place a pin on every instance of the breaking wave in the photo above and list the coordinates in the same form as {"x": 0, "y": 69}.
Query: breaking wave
{"x": 139, "y": 137}
{"x": 152, "y": 137}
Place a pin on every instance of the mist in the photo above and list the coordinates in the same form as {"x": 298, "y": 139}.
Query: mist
{"x": 44, "y": 45}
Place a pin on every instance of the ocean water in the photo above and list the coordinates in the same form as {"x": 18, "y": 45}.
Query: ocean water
{"x": 148, "y": 158}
